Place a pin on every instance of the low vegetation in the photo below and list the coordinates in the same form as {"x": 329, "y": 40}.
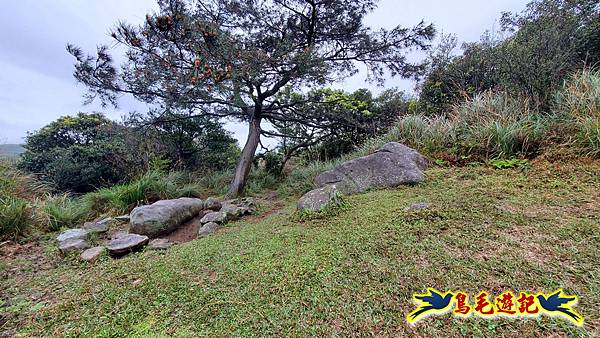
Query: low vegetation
{"x": 351, "y": 273}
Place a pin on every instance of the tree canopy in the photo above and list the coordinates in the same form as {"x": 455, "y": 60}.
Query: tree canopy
{"x": 230, "y": 58}
{"x": 535, "y": 53}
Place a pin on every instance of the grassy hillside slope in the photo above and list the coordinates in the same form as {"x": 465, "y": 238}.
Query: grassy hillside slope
{"x": 350, "y": 273}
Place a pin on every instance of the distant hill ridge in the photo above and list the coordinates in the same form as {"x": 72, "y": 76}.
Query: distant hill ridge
{"x": 11, "y": 150}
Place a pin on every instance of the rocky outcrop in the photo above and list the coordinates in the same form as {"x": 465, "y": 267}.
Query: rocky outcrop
{"x": 127, "y": 243}
{"x": 151, "y": 221}
{"x": 163, "y": 216}
{"x": 320, "y": 198}
{"x": 392, "y": 165}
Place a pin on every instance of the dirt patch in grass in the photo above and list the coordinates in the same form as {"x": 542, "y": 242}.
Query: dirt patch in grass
{"x": 21, "y": 261}
{"x": 188, "y": 231}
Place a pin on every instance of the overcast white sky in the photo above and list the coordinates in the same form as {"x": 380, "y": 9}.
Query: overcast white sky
{"x": 36, "y": 82}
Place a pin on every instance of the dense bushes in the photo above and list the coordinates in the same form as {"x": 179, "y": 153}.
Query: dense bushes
{"x": 324, "y": 123}
{"x": 88, "y": 151}
{"x": 76, "y": 153}
{"x": 536, "y": 51}
{"x": 16, "y": 190}
{"x": 150, "y": 187}
{"x": 493, "y": 125}
{"x": 15, "y": 217}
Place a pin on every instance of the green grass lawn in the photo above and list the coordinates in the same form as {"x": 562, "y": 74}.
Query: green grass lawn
{"x": 352, "y": 273}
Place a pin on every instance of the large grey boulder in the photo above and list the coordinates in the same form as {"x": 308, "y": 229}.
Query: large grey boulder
{"x": 163, "y": 216}
{"x": 320, "y": 198}
{"x": 126, "y": 244}
{"x": 72, "y": 234}
{"x": 392, "y": 165}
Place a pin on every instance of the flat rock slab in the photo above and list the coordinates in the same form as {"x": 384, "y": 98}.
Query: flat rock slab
{"x": 320, "y": 198}
{"x": 72, "y": 234}
{"x": 99, "y": 226}
{"x": 159, "y": 244}
{"x": 163, "y": 216}
{"x": 392, "y": 165}
{"x": 126, "y": 244}
{"x": 209, "y": 228}
{"x": 419, "y": 206}
{"x": 92, "y": 254}
{"x": 73, "y": 245}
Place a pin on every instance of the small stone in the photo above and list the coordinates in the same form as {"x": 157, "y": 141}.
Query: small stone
{"x": 123, "y": 218}
{"x": 208, "y": 229}
{"x": 240, "y": 206}
{"x": 92, "y": 254}
{"x": 212, "y": 204}
{"x": 98, "y": 226}
{"x": 72, "y": 234}
{"x": 419, "y": 206}
{"x": 233, "y": 212}
{"x": 216, "y": 217}
{"x": 318, "y": 199}
{"x": 72, "y": 245}
{"x": 248, "y": 205}
{"x": 159, "y": 244}
{"x": 126, "y": 244}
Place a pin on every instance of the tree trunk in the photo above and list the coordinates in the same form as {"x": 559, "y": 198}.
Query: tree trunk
{"x": 245, "y": 163}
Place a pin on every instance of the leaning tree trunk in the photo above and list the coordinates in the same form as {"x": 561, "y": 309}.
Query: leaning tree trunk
{"x": 245, "y": 163}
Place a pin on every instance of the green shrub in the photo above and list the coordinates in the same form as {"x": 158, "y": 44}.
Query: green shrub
{"x": 15, "y": 217}
{"x": 578, "y": 104}
{"x": 580, "y": 96}
{"x": 62, "y": 211}
{"x": 509, "y": 163}
{"x": 588, "y": 137}
{"x": 150, "y": 187}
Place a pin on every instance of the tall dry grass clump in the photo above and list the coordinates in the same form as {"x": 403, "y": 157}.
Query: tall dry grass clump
{"x": 578, "y": 105}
